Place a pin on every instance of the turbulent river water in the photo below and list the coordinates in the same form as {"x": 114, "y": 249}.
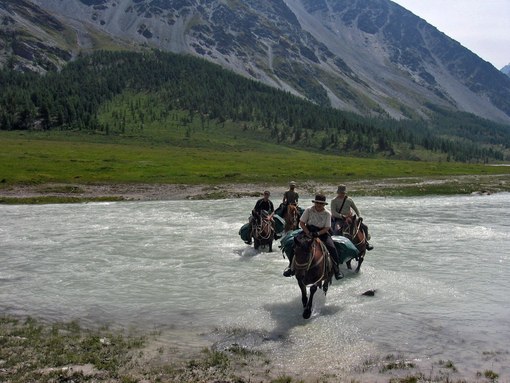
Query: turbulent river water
{"x": 440, "y": 268}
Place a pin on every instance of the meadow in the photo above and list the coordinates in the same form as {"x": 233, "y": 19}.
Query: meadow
{"x": 74, "y": 157}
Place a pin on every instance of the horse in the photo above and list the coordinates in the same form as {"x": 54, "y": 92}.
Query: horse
{"x": 352, "y": 230}
{"x": 313, "y": 267}
{"x": 291, "y": 217}
{"x": 263, "y": 232}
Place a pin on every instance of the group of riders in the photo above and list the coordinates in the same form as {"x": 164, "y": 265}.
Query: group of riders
{"x": 316, "y": 221}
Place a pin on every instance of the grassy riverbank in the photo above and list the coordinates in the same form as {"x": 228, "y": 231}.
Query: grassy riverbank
{"x": 33, "y": 351}
{"x": 57, "y": 166}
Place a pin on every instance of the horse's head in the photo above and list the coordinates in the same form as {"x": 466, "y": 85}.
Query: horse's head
{"x": 356, "y": 234}
{"x": 308, "y": 253}
{"x": 291, "y": 217}
{"x": 265, "y": 230}
{"x": 302, "y": 255}
{"x": 350, "y": 220}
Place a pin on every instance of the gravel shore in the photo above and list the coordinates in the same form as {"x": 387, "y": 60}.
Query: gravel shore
{"x": 152, "y": 192}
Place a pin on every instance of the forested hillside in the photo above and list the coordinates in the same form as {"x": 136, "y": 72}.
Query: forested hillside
{"x": 98, "y": 94}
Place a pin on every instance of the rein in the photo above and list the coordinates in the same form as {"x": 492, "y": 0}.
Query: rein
{"x": 265, "y": 229}
{"x": 355, "y": 233}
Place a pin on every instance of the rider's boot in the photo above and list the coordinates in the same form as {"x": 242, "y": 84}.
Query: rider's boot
{"x": 288, "y": 272}
{"x": 338, "y": 273}
{"x": 369, "y": 247}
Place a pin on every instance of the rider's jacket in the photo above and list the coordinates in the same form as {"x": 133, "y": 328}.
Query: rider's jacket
{"x": 263, "y": 204}
{"x": 338, "y": 203}
{"x": 290, "y": 197}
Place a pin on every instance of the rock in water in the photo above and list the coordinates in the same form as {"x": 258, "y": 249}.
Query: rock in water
{"x": 369, "y": 293}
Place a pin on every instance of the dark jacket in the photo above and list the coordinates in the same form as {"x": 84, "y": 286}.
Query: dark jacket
{"x": 263, "y": 205}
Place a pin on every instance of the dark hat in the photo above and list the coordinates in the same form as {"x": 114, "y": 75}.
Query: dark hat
{"x": 341, "y": 189}
{"x": 319, "y": 198}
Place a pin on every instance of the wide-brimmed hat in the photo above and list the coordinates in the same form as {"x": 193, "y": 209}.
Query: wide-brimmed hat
{"x": 319, "y": 198}
{"x": 341, "y": 189}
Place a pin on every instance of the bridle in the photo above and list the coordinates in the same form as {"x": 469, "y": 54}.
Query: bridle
{"x": 294, "y": 214}
{"x": 264, "y": 229}
{"x": 354, "y": 229}
{"x": 309, "y": 263}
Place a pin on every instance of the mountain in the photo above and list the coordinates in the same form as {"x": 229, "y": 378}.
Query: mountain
{"x": 371, "y": 57}
{"x": 506, "y": 70}
{"x": 31, "y": 38}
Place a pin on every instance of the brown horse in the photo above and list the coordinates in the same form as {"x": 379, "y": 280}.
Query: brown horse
{"x": 291, "y": 217}
{"x": 352, "y": 230}
{"x": 313, "y": 267}
{"x": 263, "y": 232}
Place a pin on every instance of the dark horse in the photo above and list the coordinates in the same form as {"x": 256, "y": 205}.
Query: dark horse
{"x": 352, "y": 229}
{"x": 263, "y": 231}
{"x": 291, "y": 217}
{"x": 313, "y": 267}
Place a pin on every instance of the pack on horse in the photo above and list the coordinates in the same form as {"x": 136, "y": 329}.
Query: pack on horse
{"x": 313, "y": 267}
{"x": 263, "y": 231}
{"x": 291, "y": 217}
{"x": 352, "y": 229}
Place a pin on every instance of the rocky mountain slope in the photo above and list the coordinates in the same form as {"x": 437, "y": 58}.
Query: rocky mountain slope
{"x": 506, "y": 70}
{"x": 370, "y": 57}
{"x": 31, "y": 38}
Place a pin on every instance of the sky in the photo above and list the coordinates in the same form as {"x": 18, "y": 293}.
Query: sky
{"x": 482, "y": 26}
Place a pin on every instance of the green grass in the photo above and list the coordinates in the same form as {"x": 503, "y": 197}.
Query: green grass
{"x": 74, "y": 157}
{"x": 31, "y": 351}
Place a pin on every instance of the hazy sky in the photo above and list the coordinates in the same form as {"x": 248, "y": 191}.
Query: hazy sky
{"x": 482, "y": 26}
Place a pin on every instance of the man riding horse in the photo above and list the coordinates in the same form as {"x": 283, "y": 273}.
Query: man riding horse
{"x": 316, "y": 222}
{"x": 341, "y": 208}
{"x": 263, "y": 204}
{"x": 290, "y": 197}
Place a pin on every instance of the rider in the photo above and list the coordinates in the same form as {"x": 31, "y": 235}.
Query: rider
{"x": 262, "y": 204}
{"x": 290, "y": 197}
{"x": 341, "y": 207}
{"x": 316, "y": 222}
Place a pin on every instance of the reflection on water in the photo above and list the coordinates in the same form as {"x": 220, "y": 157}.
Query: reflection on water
{"x": 440, "y": 270}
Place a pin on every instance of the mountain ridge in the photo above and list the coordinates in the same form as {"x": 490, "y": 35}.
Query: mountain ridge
{"x": 506, "y": 69}
{"x": 374, "y": 58}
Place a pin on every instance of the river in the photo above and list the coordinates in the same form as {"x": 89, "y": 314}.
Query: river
{"x": 440, "y": 269}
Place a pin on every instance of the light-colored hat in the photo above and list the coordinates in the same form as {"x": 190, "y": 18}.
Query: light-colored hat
{"x": 292, "y": 183}
{"x": 319, "y": 198}
{"x": 341, "y": 189}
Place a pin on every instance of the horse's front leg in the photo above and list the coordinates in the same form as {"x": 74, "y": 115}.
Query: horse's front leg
{"x": 348, "y": 264}
{"x": 360, "y": 261}
{"x": 304, "y": 298}
{"x": 307, "y": 312}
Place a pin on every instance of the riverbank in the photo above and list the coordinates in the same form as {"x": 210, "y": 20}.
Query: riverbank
{"x": 65, "y": 352}
{"x": 407, "y": 186}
